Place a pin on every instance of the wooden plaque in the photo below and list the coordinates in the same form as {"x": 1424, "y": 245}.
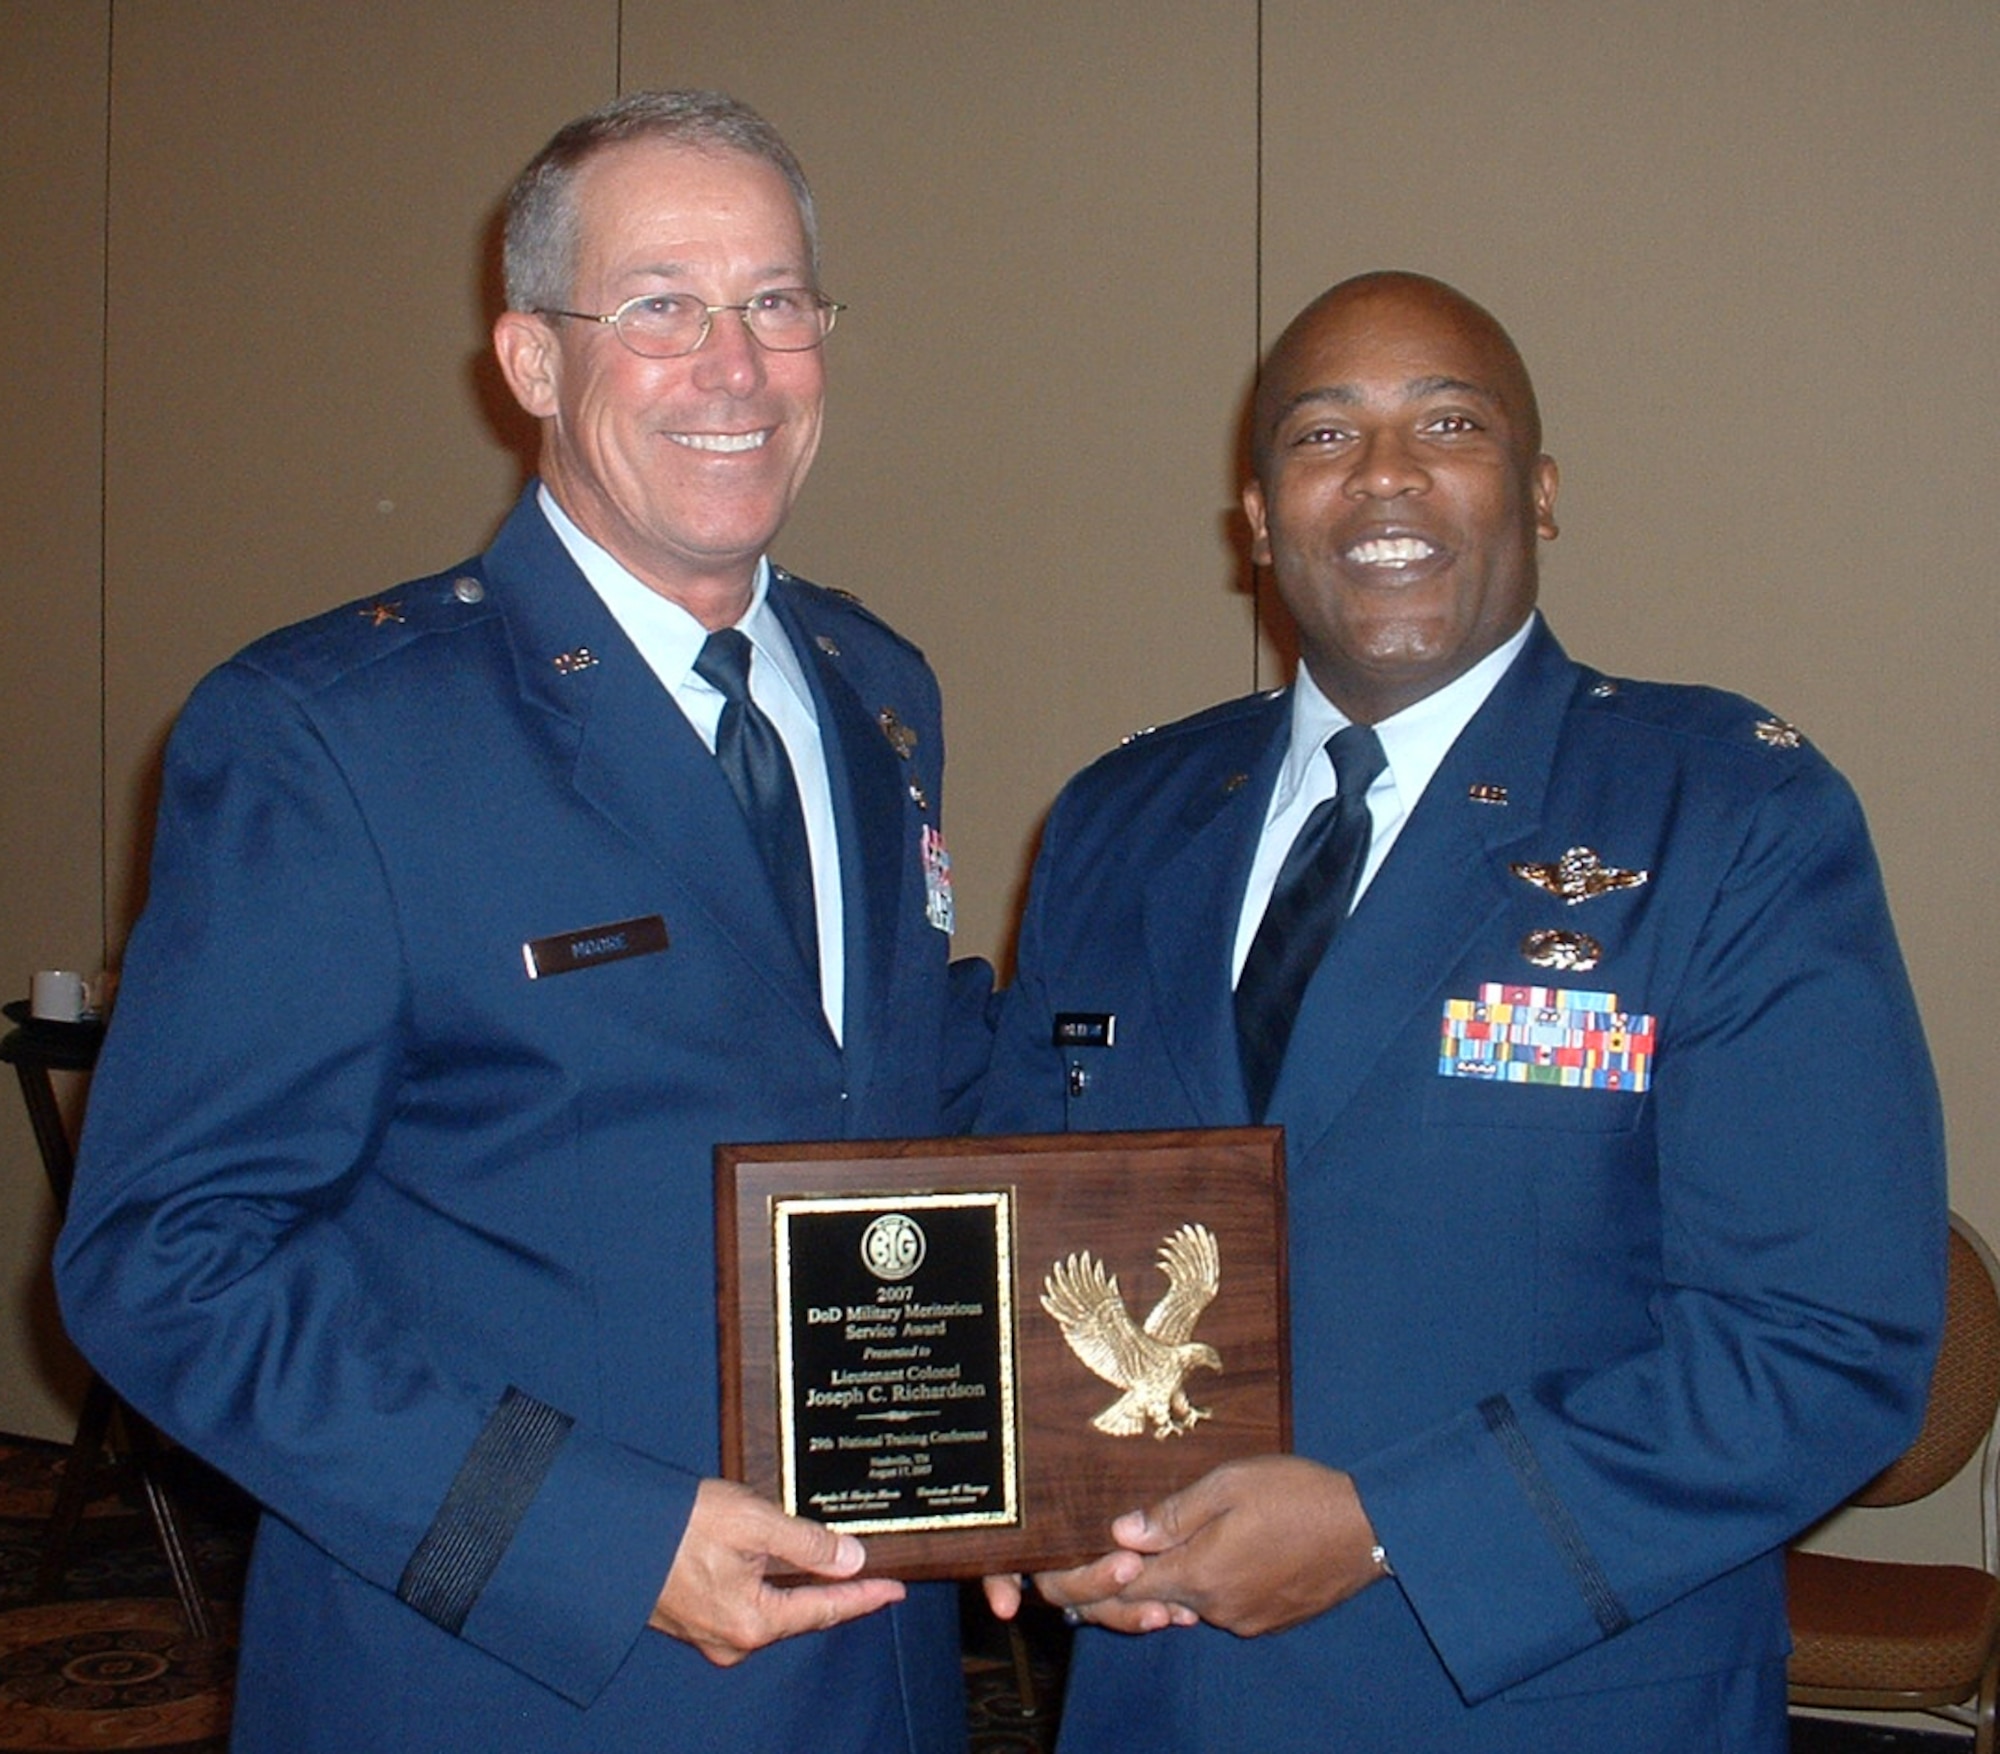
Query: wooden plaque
{"x": 975, "y": 1353}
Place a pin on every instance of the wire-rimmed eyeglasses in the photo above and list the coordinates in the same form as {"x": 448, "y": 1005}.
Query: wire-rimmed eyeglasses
{"x": 665, "y": 325}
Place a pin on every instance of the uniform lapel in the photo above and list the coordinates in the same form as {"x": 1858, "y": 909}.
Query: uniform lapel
{"x": 1192, "y": 899}
{"x": 880, "y": 873}
{"x": 1439, "y": 889}
{"x": 631, "y": 753}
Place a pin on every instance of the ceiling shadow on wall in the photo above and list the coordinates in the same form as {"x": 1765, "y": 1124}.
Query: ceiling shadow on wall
{"x": 1271, "y": 630}
{"x": 56, "y": 1368}
{"x": 511, "y": 426}
{"x": 1008, "y": 958}
{"x": 125, "y": 890}
{"x": 1272, "y": 633}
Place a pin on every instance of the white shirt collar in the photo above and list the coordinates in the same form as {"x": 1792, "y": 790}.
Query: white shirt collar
{"x": 668, "y": 637}
{"x": 1416, "y": 740}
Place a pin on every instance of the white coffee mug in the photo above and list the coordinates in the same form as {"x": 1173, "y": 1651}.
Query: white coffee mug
{"x": 58, "y": 995}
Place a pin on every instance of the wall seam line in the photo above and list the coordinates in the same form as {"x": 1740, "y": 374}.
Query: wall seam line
{"x": 1257, "y": 325}
{"x": 104, "y": 502}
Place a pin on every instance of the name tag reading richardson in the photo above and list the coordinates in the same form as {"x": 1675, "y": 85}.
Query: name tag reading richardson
{"x": 975, "y": 1353}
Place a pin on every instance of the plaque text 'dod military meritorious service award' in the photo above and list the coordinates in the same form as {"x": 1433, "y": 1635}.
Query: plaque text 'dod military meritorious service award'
{"x": 975, "y": 1353}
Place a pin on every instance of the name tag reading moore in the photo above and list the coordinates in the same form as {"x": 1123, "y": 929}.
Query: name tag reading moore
{"x": 566, "y": 952}
{"x": 975, "y": 1353}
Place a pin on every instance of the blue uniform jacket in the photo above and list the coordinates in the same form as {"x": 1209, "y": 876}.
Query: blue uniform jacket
{"x": 420, "y": 1249}
{"x": 1591, "y": 1354}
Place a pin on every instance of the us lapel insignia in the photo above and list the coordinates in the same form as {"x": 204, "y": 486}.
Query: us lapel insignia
{"x": 828, "y": 644}
{"x": 569, "y": 663}
{"x": 1778, "y": 734}
{"x": 1487, "y": 794}
{"x": 378, "y": 613}
{"x": 1235, "y": 783}
{"x": 901, "y": 737}
{"x": 919, "y": 797}
{"x": 1579, "y": 875}
{"x": 1553, "y": 949}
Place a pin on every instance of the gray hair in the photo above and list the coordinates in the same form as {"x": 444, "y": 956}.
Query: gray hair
{"x": 542, "y": 224}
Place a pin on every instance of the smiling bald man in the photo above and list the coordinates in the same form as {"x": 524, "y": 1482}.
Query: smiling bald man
{"x": 1614, "y": 1160}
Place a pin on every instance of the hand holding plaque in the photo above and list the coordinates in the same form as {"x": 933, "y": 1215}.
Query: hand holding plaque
{"x": 938, "y": 1344}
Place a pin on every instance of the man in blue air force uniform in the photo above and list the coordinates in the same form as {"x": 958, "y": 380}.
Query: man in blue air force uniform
{"x": 481, "y": 912}
{"x": 1615, "y": 1176}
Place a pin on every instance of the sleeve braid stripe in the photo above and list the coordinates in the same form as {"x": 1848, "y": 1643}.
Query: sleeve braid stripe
{"x": 490, "y": 1495}
{"x": 1562, "y": 1531}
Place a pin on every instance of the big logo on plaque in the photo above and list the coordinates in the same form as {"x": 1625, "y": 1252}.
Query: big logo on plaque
{"x": 976, "y": 1353}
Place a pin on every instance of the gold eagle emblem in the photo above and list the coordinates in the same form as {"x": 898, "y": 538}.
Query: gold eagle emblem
{"x": 1151, "y": 1363}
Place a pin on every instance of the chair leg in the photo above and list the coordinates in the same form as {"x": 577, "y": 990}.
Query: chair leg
{"x": 144, "y": 1446}
{"x": 145, "y": 1453}
{"x": 1024, "y": 1670}
{"x": 1983, "y": 1705}
{"x": 85, "y": 1449}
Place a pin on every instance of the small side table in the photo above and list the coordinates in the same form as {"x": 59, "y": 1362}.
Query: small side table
{"x": 35, "y": 1048}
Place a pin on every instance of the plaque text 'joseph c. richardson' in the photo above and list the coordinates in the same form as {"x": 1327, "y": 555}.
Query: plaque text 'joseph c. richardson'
{"x": 977, "y": 1352}
{"x": 896, "y": 1361}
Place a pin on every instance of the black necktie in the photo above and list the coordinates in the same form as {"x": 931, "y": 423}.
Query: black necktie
{"x": 1315, "y": 888}
{"x": 754, "y": 761}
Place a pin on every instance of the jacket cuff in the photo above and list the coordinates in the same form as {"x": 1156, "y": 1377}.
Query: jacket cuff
{"x": 1486, "y": 1553}
{"x": 551, "y": 1548}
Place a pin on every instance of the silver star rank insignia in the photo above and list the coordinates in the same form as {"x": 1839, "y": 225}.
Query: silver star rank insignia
{"x": 1579, "y": 875}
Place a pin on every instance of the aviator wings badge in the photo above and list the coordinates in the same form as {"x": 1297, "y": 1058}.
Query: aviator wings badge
{"x": 1579, "y": 875}
{"x": 1150, "y": 1364}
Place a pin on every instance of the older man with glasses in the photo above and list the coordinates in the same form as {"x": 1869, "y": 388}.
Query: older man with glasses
{"x": 483, "y": 909}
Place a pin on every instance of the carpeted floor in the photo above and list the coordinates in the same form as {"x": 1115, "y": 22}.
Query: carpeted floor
{"x": 1813, "y": 1736}
{"x": 109, "y": 1664}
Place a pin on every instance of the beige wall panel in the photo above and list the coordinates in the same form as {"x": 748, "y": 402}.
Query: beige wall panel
{"x": 52, "y": 57}
{"x": 1043, "y": 218}
{"x": 1751, "y": 254}
{"x": 301, "y": 409}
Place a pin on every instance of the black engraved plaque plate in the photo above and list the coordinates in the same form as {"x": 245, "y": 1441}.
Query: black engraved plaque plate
{"x": 895, "y": 1360}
